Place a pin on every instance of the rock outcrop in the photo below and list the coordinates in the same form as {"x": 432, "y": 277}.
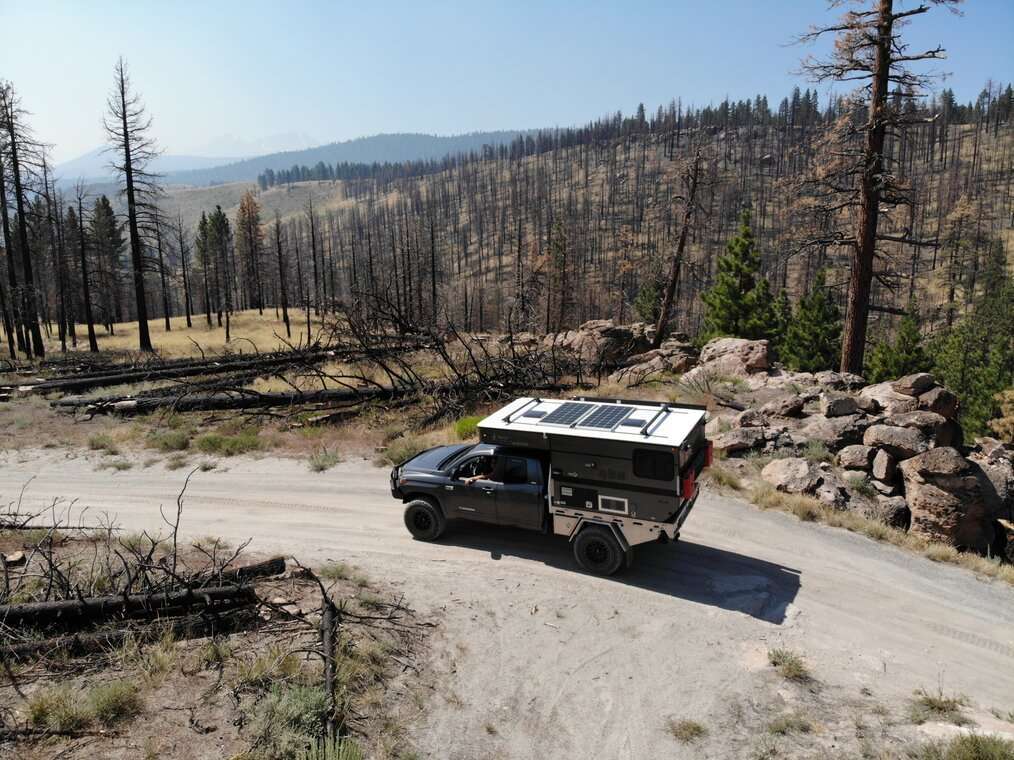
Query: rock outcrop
{"x": 735, "y": 356}
{"x": 946, "y": 495}
{"x": 601, "y": 342}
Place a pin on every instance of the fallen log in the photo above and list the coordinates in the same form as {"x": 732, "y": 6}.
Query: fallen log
{"x": 242, "y": 399}
{"x": 273, "y": 566}
{"x": 77, "y": 612}
{"x": 81, "y": 644}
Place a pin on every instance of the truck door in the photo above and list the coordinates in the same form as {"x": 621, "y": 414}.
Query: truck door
{"x": 520, "y": 497}
{"x": 472, "y": 501}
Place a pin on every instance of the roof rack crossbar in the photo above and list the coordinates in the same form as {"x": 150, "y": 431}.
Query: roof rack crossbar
{"x": 524, "y": 406}
{"x": 644, "y": 431}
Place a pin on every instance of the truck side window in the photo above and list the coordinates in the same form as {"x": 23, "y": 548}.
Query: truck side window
{"x": 515, "y": 470}
{"x": 654, "y": 465}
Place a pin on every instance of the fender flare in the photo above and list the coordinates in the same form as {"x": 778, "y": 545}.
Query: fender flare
{"x": 420, "y": 496}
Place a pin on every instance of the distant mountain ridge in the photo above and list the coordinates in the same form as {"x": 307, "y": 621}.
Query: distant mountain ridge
{"x": 394, "y": 147}
{"x": 94, "y": 165}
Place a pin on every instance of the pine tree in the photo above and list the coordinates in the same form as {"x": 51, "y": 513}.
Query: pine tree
{"x": 739, "y": 303}
{"x": 904, "y": 356}
{"x": 813, "y": 338}
{"x": 782, "y": 317}
{"x": 975, "y": 358}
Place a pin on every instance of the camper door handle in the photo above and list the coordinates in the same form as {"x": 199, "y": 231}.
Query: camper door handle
{"x": 488, "y": 490}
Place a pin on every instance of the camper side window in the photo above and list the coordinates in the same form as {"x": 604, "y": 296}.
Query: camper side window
{"x": 654, "y": 465}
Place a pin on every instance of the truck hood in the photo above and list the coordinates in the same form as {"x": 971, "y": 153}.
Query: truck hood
{"x": 431, "y": 459}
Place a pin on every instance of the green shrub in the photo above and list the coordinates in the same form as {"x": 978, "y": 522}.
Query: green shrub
{"x": 115, "y": 702}
{"x": 816, "y": 452}
{"x": 467, "y": 427}
{"x": 170, "y": 440}
{"x": 228, "y": 445}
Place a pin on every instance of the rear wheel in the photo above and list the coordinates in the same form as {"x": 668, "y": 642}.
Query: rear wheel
{"x": 597, "y": 551}
{"x": 424, "y": 520}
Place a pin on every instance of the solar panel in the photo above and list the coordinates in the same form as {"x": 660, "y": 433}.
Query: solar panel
{"x": 606, "y": 416}
{"x": 537, "y": 414}
{"x": 632, "y": 422}
{"x": 566, "y": 414}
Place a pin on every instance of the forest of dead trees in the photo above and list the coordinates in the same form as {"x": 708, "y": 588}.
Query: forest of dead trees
{"x": 556, "y": 228}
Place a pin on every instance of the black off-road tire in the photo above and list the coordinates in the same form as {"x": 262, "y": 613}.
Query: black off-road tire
{"x": 597, "y": 551}
{"x": 424, "y": 520}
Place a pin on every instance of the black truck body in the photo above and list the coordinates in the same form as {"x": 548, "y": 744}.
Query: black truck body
{"x": 624, "y": 472}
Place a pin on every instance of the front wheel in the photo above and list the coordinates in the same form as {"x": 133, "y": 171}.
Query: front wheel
{"x": 597, "y": 551}
{"x": 424, "y": 521}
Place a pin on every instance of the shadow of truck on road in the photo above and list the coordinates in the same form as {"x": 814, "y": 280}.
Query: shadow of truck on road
{"x": 695, "y": 572}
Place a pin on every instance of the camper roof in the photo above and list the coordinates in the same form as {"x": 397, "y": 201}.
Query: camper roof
{"x": 610, "y": 419}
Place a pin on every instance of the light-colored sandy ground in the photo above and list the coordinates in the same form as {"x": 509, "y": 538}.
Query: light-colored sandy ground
{"x": 535, "y": 659}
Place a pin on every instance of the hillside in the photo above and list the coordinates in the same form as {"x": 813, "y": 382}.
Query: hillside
{"x": 383, "y": 148}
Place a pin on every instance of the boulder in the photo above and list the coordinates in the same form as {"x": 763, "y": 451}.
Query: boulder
{"x": 884, "y": 466}
{"x": 835, "y": 432}
{"x": 792, "y": 475}
{"x": 937, "y": 428}
{"x": 735, "y": 356}
{"x": 839, "y": 380}
{"x": 831, "y": 490}
{"x": 884, "y": 489}
{"x": 868, "y": 404}
{"x": 749, "y": 418}
{"x": 941, "y": 401}
{"x": 837, "y": 406}
{"x": 889, "y": 399}
{"x": 740, "y": 439}
{"x": 599, "y": 341}
{"x": 948, "y": 500}
{"x": 891, "y": 510}
{"x": 658, "y": 362}
{"x": 996, "y": 462}
{"x": 899, "y": 442}
{"x": 913, "y": 385}
{"x": 1004, "y": 542}
{"x": 856, "y": 457}
{"x": 786, "y": 406}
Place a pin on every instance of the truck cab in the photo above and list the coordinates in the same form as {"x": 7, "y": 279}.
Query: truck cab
{"x": 608, "y": 474}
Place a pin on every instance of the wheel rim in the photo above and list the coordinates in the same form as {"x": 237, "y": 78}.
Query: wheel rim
{"x": 421, "y": 520}
{"x": 596, "y": 552}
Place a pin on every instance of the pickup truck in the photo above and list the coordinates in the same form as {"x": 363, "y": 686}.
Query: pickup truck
{"x": 583, "y": 474}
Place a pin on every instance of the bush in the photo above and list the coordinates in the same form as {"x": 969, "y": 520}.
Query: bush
{"x": 793, "y": 723}
{"x": 401, "y": 450}
{"x": 57, "y": 709}
{"x": 229, "y": 445}
{"x": 170, "y": 440}
{"x": 332, "y": 749}
{"x": 467, "y": 427}
{"x": 264, "y": 669}
{"x": 324, "y": 459}
{"x": 103, "y": 442}
{"x": 288, "y": 721}
{"x": 114, "y": 702}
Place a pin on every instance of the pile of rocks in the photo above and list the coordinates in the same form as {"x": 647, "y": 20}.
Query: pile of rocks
{"x": 601, "y": 343}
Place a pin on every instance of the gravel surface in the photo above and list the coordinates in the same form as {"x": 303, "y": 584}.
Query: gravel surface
{"x": 532, "y": 658}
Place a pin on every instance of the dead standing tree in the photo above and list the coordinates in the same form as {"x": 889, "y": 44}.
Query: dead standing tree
{"x": 692, "y": 180}
{"x": 127, "y": 126}
{"x": 868, "y": 49}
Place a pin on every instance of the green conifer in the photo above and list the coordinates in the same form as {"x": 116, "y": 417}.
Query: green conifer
{"x": 903, "y": 356}
{"x": 740, "y": 302}
{"x": 813, "y": 338}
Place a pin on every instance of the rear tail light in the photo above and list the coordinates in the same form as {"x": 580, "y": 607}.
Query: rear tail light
{"x": 688, "y": 485}
{"x": 709, "y": 454}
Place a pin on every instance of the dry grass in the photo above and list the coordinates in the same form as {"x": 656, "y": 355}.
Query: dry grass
{"x": 323, "y": 459}
{"x": 790, "y": 665}
{"x": 686, "y": 731}
{"x": 807, "y": 508}
{"x": 724, "y": 478}
{"x": 927, "y": 706}
{"x": 965, "y": 747}
{"x": 792, "y": 723}
{"x": 246, "y": 326}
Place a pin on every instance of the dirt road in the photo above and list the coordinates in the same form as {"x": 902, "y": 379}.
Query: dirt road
{"x": 534, "y": 659}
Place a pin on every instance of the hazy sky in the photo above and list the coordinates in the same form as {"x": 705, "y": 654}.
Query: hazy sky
{"x": 336, "y": 70}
